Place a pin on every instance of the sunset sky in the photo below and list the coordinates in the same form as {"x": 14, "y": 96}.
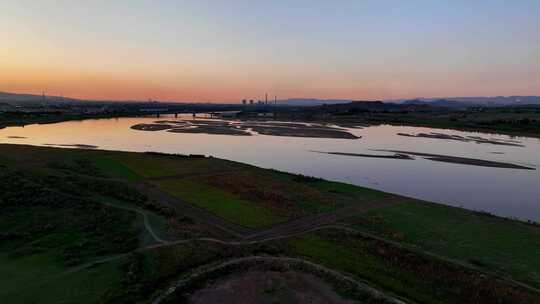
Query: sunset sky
{"x": 227, "y": 50}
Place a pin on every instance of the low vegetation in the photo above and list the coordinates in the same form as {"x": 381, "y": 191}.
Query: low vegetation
{"x": 477, "y": 239}
{"x": 219, "y": 202}
{"x": 514, "y": 121}
{"x": 405, "y": 273}
{"x": 90, "y": 226}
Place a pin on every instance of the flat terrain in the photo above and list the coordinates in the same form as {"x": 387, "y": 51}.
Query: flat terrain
{"x": 268, "y": 287}
{"x": 91, "y": 226}
{"x": 518, "y": 121}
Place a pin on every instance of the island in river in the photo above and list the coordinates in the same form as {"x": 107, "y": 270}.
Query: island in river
{"x": 434, "y": 157}
{"x": 244, "y": 128}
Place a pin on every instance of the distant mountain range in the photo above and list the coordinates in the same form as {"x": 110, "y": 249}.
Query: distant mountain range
{"x": 31, "y": 99}
{"x": 16, "y": 99}
{"x": 460, "y": 102}
{"x": 451, "y": 102}
{"x": 306, "y": 102}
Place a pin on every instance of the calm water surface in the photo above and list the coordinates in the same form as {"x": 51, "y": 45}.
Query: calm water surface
{"x": 506, "y": 192}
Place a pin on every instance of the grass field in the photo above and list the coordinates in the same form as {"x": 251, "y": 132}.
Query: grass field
{"x": 56, "y": 214}
{"x": 115, "y": 168}
{"x": 157, "y": 222}
{"x": 405, "y": 273}
{"x": 220, "y": 202}
{"x": 150, "y": 165}
{"x": 62, "y": 209}
{"x": 477, "y": 239}
{"x": 36, "y": 279}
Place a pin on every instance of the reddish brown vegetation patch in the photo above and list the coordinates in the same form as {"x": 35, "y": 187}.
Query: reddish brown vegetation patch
{"x": 282, "y": 197}
{"x": 463, "y": 284}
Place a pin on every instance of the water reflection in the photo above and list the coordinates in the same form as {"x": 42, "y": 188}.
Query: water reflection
{"x": 507, "y": 192}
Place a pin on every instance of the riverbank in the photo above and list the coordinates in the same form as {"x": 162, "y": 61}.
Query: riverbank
{"x": 21, "y": 119}
{"x": 132, "y": 224}
{"x": 487, "y": 188}
{"x": 513, "y": 121}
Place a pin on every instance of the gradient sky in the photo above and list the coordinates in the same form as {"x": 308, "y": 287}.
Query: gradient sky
{"x": 226, "y": 50}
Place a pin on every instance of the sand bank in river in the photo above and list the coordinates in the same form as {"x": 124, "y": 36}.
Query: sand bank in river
{"x": 435, "y": 157}
{"x": 476, "y": 139}
{"x": 246, "y": 128}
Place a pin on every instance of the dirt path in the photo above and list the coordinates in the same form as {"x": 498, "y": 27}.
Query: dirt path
{"x": 202, "y": 239}
{"x": 311, "y": 222}
{"x": 147, "y": 225}
{"x": 204, "y": 216}
{"x": 207, "y": 239}
{"x": 242, "y": 232}
{"x": 247, "y": 236}
{"x": 286, "y": 236}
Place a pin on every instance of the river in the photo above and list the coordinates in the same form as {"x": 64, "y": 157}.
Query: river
{"x": 501, "y": 191}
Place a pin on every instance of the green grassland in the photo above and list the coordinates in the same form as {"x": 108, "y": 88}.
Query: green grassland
{"x": 58, "y": 212}
{"x": 46, "y": 234}
{"x": 220, "y": 202}
{"x": 240, "y": 193}
{"x": 405, "y": 273}
{"x": 478, "y": 239}
{"x": 74, "y": 229}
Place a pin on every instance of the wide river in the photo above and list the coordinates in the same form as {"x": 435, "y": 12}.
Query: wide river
{"x": 506, "y": 192}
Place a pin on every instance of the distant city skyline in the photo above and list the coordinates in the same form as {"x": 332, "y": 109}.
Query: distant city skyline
{"x": 227, "y": 51}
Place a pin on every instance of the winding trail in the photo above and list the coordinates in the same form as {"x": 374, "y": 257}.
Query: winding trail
{"x": 241, "y": 232}
{"x": 286, "y": 236}
{"x": 310, "y": 222}
{"x": 147, "y": 225}
{"x": 245, "y": 236}
{"x": 190, "y": 210}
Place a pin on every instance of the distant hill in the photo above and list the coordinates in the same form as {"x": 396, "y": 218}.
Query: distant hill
{"x": 307, "y": 102}
{"x": 15, "y": 99}
{"x": 30, "y": 99}
{"x": 460, "y": 102}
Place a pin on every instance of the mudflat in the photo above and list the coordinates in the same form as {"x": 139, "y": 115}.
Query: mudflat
{"x": 303, "y": 131}
{"x": 211, "y": 129}
{"x": 476, "y": 139}
{"x": 393, "y": 156}
{"x": 243, "y": 128}
{"x": 463, "y": 160}
{"x": 151, "y": 127}
{"x": 398, "y": 154}
{"x": 80, "y": 146}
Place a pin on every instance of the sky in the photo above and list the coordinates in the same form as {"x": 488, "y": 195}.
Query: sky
{"x": 228, "y": 50}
